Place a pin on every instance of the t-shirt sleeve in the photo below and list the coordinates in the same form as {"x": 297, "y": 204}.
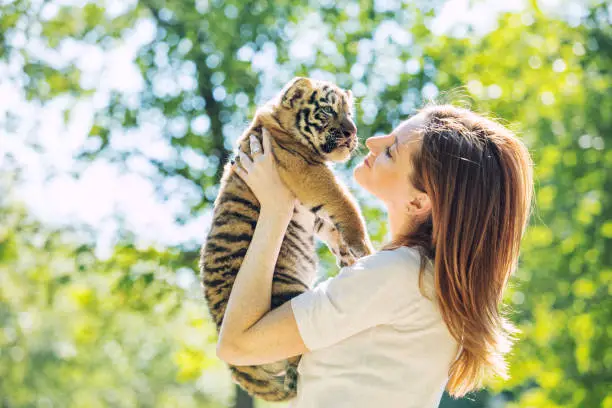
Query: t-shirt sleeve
{"x": 370, "y": 292}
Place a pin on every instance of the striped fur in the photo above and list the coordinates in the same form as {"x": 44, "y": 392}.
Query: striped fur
{"x": 310, "y": 125}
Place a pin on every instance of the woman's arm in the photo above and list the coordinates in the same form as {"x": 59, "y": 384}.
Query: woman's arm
{"x": 251, "y": 333}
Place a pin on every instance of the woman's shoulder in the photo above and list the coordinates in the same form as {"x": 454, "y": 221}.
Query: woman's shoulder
{"x": 390, "y": 258}
{"x": 405, "y": 261}
{"x": 402, "y": 265}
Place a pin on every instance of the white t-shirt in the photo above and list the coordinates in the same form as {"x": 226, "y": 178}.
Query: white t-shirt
{"x": 374, "y": 340}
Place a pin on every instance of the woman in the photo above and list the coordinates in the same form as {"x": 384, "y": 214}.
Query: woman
{"x": 400, "y": 325}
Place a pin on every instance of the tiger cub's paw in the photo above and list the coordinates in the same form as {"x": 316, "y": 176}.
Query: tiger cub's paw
{"x": 340, "y": 249}
{"x": 358, "y": 248}
{"x": 345, "y": 257}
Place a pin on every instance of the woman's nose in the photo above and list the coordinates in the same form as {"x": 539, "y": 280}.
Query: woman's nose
{"x": 373, "y": 143}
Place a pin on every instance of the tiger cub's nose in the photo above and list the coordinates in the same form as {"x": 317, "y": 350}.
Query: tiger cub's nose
{"x": 348, "y": 127}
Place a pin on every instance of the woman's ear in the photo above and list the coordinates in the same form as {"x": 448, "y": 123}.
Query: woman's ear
{"x": 420, "y": 204}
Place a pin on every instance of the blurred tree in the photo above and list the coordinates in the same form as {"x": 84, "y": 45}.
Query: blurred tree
{"x": 205, "y": 65}
{"x": 77, "y": 331}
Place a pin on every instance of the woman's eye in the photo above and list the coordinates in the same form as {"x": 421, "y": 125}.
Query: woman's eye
{"x": 388, "y": 151}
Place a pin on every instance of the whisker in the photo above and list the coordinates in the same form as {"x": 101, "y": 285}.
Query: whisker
{"x": 360, "y": 150}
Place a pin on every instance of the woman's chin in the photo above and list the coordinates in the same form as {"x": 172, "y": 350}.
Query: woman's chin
{"x": 359, "y": 174}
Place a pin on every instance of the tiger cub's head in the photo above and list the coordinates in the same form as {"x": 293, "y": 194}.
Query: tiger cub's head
{"x": 319, "y": 114}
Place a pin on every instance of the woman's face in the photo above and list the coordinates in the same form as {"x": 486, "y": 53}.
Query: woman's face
{"x": 387, "y": 169}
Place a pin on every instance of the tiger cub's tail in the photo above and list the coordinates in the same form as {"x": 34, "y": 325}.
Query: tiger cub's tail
{"x": 270, "y": 382}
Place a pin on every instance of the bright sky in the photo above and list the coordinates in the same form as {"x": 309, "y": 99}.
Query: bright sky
{"x": 104, "y": 190}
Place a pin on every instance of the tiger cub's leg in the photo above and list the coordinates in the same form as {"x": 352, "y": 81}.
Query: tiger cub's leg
{"x": 328, "y": 233}
{"x": 317, "y": 188}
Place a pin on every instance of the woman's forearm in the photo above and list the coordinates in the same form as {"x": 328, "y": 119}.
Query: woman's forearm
{"x": 251, "y": 293}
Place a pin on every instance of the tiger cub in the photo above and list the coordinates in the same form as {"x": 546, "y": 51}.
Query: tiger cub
{"x": 310, "y": 124}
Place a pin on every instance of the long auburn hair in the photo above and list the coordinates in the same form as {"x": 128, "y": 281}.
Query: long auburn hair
{"x": 479, "y": 179}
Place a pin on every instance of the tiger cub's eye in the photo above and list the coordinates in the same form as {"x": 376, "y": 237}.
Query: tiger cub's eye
{"x": 327, "y": 110}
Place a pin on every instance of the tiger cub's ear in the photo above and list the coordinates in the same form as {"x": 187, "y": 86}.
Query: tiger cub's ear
{"x": 294, "y": 90}
{"x": 349, "y": 94}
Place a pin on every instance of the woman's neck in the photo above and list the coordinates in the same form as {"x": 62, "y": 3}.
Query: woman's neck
{"x": 399, "y": 221}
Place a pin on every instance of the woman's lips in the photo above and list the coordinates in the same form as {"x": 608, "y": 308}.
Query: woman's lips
{"x": 367, "y": 163}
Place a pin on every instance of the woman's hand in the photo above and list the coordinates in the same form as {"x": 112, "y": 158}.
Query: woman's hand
{"x": 261, "y": 175}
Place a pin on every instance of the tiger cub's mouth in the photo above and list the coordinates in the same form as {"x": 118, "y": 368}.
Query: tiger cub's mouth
{"x": 349, "y": 143}
{"x": 340, "y": 138}
{"x": 337, "y": 142}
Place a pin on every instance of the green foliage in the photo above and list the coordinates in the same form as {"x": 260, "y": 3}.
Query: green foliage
{"x": 83, "y": 331}
{"x": 78, "y": 331}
